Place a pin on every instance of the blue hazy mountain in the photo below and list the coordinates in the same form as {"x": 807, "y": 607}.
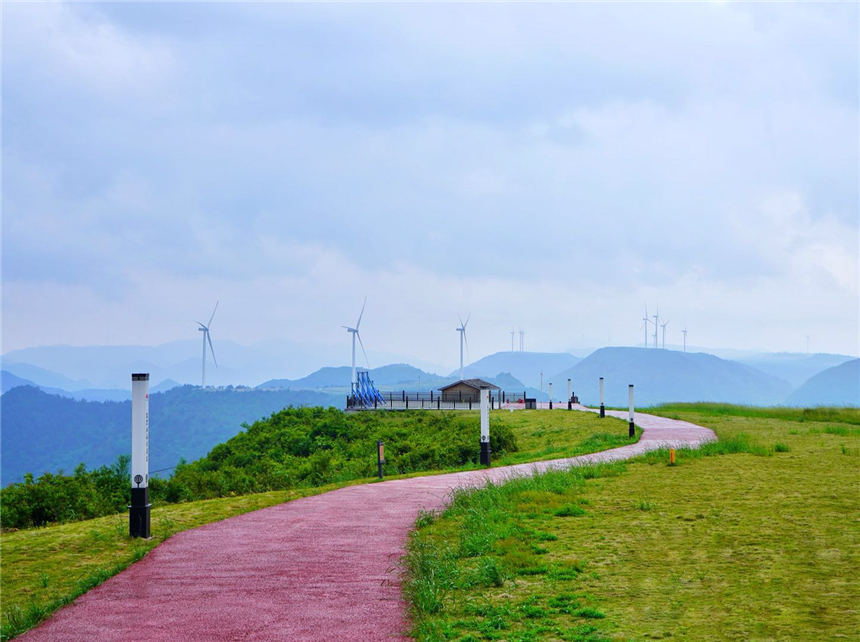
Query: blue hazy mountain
{"x": 393, "y": 377}
{"x": 111, "y": 366}
{"x": 44, "y": 377}
{"x": 836, "y": 386}
{"x": 661, "y": 376}
{"x": 795, "y": 368}
{"x": 44, "y": 432}
{"x": 524, "y": 366}
{"x": 9, "y": 381}
{"x": 339, "y": 377}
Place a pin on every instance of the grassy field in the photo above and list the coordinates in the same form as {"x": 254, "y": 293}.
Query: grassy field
{"x": 45, "y": 568}
{"x": 754, "y": 537}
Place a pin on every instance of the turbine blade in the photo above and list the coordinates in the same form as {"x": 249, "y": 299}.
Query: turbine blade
{"x": 209, "y": 338}
{"x": 357, "y": 325}
{"x": 213, "y": 314}
{"x": 201, "y": 325}
{"x": 362, "y": 349}
{"x": 467, "y": 320}
{"x": 466, "y": 341}
{"x": 460, "y": 319}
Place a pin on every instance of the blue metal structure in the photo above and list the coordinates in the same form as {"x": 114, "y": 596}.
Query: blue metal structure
{"x": 364, "y": 392}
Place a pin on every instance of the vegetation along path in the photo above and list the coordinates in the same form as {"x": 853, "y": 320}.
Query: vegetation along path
{"x": 318, "y": 568}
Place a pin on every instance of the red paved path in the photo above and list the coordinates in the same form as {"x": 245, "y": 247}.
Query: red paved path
{"x": 319, "y": 568}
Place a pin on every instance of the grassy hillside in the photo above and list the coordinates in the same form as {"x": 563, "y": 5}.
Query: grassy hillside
{"x": 660, "y": 376}
{"x": 43, "y": 432}
{"x": 45, "y": 568}
{"x": 754, "y": 537}
{"x": 839, "y": 385}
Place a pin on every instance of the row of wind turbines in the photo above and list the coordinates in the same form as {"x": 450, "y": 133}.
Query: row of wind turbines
{"x": 461, "y": 329}
{"x": 354, "y": 331}
{"x": 658, "y": 324}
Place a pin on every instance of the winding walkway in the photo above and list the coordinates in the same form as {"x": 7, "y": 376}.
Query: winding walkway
{"x": 319, "y": 568}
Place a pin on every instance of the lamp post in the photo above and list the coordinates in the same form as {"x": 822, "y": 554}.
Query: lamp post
{"x": 485, "y": 426}
{"x": 632, "y": 431}
{"x": 138, "y": 516}
{"x": 602, "y": 410}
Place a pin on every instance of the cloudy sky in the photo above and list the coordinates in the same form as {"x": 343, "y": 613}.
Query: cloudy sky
{"x": 549, "y": 167}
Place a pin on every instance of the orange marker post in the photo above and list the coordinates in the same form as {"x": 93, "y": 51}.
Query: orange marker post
{"x": 671, "y": 456}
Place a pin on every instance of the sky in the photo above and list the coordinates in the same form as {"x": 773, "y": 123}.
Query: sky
{"x": 550, "y": 167}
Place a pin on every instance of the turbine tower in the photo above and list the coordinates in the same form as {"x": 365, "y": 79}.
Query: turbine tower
{"x": 207, "y": 339}
{"x": 685, "y": 336}
{"x": 355, "y": 334}
{"x": 512, "y": 340}
{"x": 645, "y": 324}
{"x": 663, "y": 325}
{"x": 522, "y": 340}
{"x": 656, "y": 324}
{"x": 462, "y": 331}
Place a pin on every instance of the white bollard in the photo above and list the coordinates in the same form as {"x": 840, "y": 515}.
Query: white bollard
{"x": 138, "y": 517}
{"x": 632, "y": 431}
{"x": 602, "y": 410}
{"x": 485, "y": 426}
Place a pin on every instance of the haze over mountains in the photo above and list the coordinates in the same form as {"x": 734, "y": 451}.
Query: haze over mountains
{"x": 835, "y": 386}
{"x": 102, "y": 372}
{"x": 666, "y": 375}
{"x": 49, "y": 427}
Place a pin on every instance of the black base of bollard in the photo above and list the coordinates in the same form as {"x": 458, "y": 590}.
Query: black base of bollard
{"x": 550, "y": 405}
{"x": 379, "y": 468}
{"x": 138, "y": 513}
{"x": 602, "y": 411}
{"x": 485, "y": 453}
{"x": 569, "y": 405}
{"x": 632, "y": 432}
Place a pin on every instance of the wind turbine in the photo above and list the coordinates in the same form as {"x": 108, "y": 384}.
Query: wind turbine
{"x": 512, "y": 340}
{"x": 645, "y": 324}
{"x": 355, "y": 334}
{"x": 462, "y": 331}
{"x": 663, "y": 325}
{"x": 685, "y": 336}
{"x": 656, "y": 323}
{"x": 207, "y": 339}
{"x": 522, "y": 340}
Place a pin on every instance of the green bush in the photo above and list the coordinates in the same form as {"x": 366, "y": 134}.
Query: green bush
{"x": 294, "y": 448}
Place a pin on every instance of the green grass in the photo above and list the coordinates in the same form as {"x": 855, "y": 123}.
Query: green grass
{"x": 754, "y": 537}
{"x": 46, "y": 568}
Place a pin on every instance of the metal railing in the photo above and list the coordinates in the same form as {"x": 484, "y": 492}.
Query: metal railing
{"x": 434, "y": 400}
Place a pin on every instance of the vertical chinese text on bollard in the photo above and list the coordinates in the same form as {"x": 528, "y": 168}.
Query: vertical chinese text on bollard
{"x": 485, "y": 426}
{"x": 138, "y": 516}
{"x": 632, "y": 431}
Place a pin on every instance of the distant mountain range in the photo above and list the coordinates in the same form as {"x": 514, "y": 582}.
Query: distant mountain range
{"x": 667, "y": 375}
{"x": 839, "y": 385}
{"x": 46, "y": 427}
{"x": 793, "y": 367}
{"x": 394, "y": 377}
{"x": 525, "y": 366}
{"x": 44, "y": 432}
{"x": 9, "y": 381}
